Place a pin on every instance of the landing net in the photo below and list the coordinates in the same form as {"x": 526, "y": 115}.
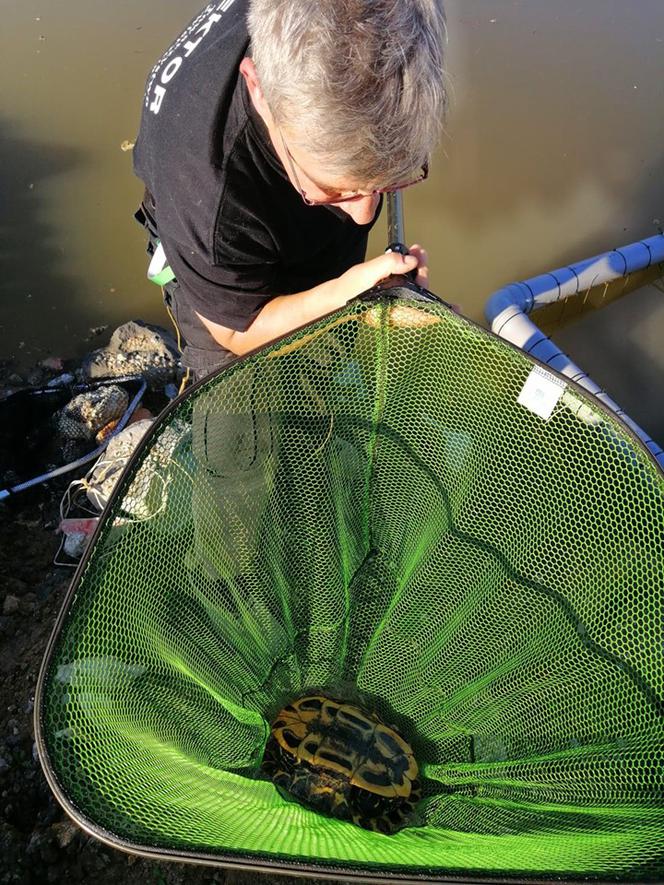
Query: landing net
{"x": 373, "y": 506}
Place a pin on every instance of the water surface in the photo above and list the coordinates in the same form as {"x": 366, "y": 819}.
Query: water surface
{"x": 553, "y": 152}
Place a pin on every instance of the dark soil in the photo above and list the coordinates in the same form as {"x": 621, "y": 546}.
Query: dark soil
{"x": 38, "y": 842}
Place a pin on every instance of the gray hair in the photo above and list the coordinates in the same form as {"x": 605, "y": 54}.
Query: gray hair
{"x": 357, "y": 83}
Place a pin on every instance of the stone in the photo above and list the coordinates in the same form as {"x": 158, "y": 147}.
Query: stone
{"x": 52, "y": 364}
{"x": 65, "y": 831}
{"x": 135, "y": 348}
{"x": 11, "y": 605}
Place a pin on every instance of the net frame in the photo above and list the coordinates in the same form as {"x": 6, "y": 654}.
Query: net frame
{"x": 382, "y": 295}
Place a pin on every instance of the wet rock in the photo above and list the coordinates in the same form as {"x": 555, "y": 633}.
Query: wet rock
{"x": 135, "y": 348}
{"x": 11, "y": 605}
{"x": 15, "y": 379}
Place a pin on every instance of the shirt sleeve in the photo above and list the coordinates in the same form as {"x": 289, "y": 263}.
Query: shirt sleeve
{"x": 230, "y": 294}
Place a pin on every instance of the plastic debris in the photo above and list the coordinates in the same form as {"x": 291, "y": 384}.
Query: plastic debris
{"x": 102, "y": 478}
{"x": 75, "y": 544}
{"x": 84, "y": 526}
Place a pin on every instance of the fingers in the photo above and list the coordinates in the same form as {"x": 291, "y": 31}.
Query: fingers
{"x": 420, "y": 253}
{"x": 364, "y": 276}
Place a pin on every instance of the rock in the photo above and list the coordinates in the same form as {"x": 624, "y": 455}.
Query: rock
{"x": 29, "y": 603}
{"x": 95, "y": 331}
{"x": 52, "y": 364}
{"x": 15, "y": 379}
{"x": 11, "y": 605}
{"x": 40, "y": 845}
{"x": 35, "y": 378}
{"x": 65, "y": 832}
{"x": 135, "y": 348}
{"x": 4, "y": 765}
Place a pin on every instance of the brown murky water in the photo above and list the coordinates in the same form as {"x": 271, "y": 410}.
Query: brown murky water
{"x": 553, "y": 152}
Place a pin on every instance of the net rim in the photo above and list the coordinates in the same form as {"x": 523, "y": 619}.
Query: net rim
{"x": 381, "y": 295}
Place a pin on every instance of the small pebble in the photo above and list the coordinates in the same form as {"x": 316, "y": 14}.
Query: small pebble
{"x": 65, "y": 832}
{"x": 97, "y": 330}
{"x": 52, "y": 363}
{"x": 11, "y": 605}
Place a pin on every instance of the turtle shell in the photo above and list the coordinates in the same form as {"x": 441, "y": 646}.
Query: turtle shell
{"x": 343, "y": 761}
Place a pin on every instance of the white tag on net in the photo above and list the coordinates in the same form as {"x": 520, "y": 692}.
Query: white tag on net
{"x": 541, "y": 392}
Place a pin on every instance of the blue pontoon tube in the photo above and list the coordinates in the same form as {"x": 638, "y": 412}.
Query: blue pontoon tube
{"x": 506, "y": 312}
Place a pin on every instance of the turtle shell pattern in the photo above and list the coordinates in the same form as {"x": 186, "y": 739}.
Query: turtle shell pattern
{"x": 340, "y": 760}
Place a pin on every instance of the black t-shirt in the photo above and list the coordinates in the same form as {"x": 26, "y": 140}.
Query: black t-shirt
{"x": 234, "y": 229}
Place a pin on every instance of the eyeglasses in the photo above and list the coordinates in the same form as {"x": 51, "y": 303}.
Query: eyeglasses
{"x": 347, "y": 196}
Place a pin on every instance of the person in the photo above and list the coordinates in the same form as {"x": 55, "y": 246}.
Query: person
{"x": 270, "y": 131}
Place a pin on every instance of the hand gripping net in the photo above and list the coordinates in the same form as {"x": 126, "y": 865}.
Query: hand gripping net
{"x": 365, "y": 507}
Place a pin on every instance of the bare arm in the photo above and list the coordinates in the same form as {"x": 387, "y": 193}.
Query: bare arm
{"x": 287, "y": 312}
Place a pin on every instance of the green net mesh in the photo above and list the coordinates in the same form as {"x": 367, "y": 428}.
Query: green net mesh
{"x": 365, "y": 507}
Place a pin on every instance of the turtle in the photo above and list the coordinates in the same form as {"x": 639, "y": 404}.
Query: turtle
{"x": 343, "y": 761}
